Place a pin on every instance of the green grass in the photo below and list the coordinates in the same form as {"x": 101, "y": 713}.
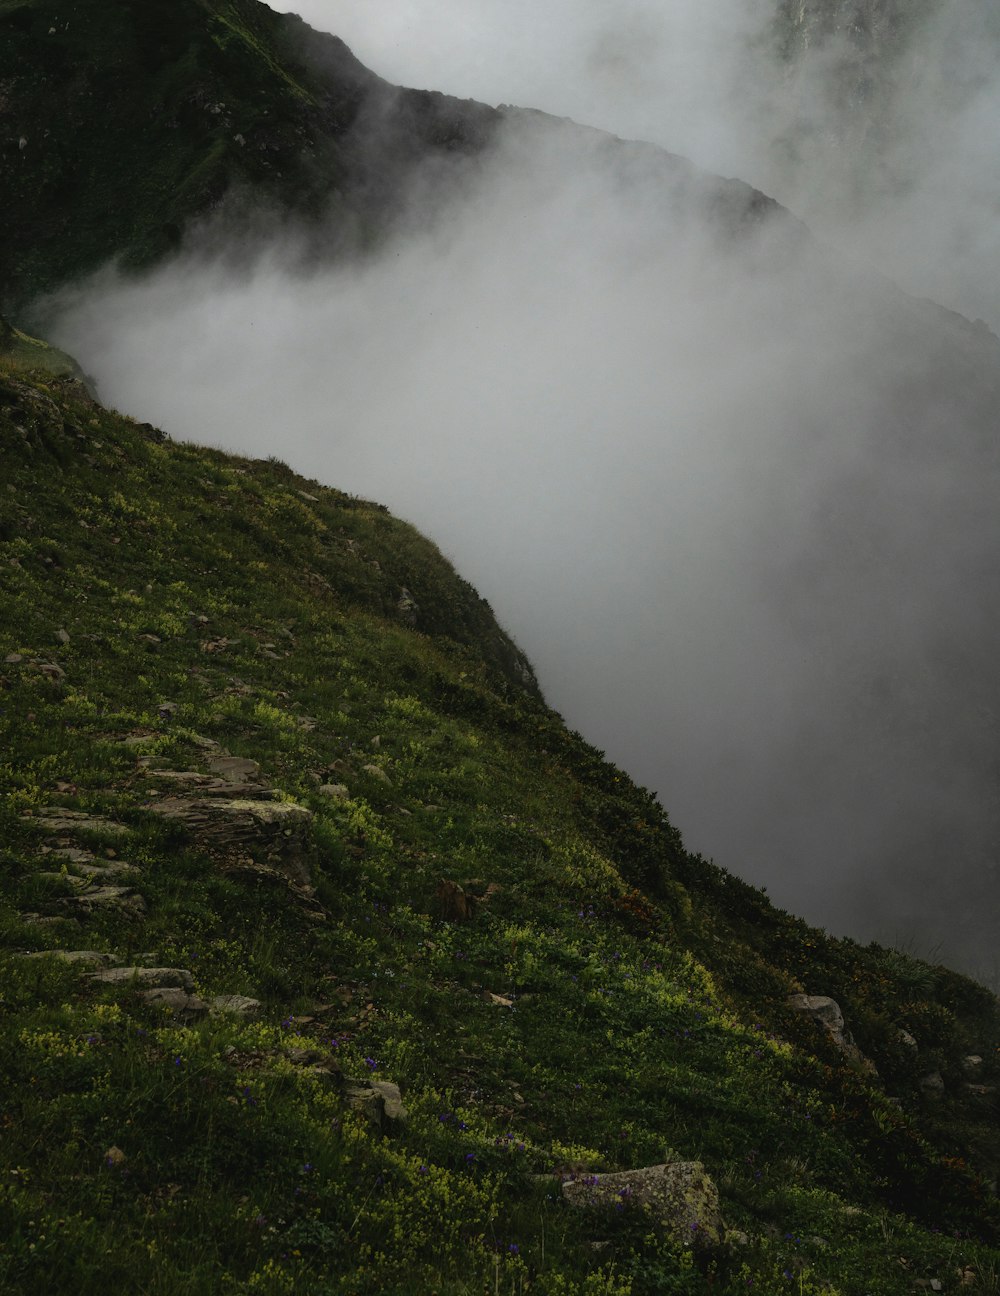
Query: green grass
{"x": 647, "y": 988}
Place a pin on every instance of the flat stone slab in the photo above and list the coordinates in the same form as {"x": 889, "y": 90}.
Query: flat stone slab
{"x": 97, "y": 897}
{"x": 211, "y": 785}
{"x": 72, "y": 956}
{"x": 146, "y": 977}
{"x": 237, "y": 769}
{"x": 235, "y": 818}
{"x": 59, "y": 820}
{"x": 109, "y": 869}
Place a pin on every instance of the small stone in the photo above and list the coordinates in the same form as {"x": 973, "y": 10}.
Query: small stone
{"x": 52, "y": 670}
{"x": 490, "y": 997}
{"x": 62, "y": 636}
{"x": 392, "y": 1098}
{"x": 377, "y": 772}
{"x": 187, "y": 1007}
{"x": 115, "y": 1156}
{"x": 312, "y": 499}
{"x": 335, "y": 791}
{"x": 235, "y": 1005}
{"x": 237, "y": 769}
{"x": 932, "y": 1084}
{"x": 12, "y": 659}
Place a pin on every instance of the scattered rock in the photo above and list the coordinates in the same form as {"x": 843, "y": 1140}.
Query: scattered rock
{"x": 62, "y": 636}
{"x": 972, "y": 1063}
{"x": 335, "y": 791}
{"x": 13, "y": 659}
{"x": 377, "y": 772}
{"x": 490, "y": 997}
{"x": 115, "y": 1157}
{"x": 186, "y": 1007}
{"x": 235, "y": 1005}
{"x": 178, "y": 978}
{"x": 680, "y": 1196}
{"x": 907, "y": 1040}
{"x": 932, "y": 1084}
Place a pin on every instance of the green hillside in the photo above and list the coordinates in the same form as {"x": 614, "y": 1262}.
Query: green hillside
{"x": 261, "y": 741}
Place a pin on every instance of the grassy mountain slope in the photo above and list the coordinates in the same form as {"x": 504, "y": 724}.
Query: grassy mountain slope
{"x": 234, "y": 750}
{"x": 260, "y": 740}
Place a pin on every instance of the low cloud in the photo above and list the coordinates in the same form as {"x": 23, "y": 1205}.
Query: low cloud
{"x": 733, "y": 497}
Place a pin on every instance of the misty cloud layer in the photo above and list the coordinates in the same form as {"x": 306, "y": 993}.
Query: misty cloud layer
{"x": 880, "y": 129}
{"x": 735, "y": 499}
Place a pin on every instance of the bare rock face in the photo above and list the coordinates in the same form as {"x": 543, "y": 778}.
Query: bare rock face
{"x": 680, "y": 1196}
{"x": 274, "y": 830}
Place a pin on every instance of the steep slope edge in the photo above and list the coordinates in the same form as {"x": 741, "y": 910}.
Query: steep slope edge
{"x": 243, "y": 764}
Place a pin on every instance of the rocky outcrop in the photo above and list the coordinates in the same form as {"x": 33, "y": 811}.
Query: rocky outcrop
{"x": 680, "y": 1197}
{"x": 379, "y": 1100}
{"x": 826, "y": 1013}
{"x": 274, "y": 830}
